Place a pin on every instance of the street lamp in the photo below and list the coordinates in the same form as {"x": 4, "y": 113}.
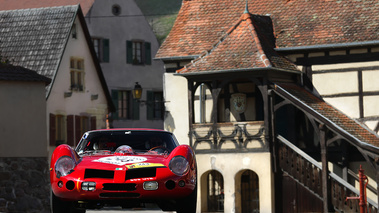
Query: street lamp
{"x": 137, "y": 91}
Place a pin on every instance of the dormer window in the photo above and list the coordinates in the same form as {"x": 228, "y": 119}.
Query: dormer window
{"x": 73, "y": 31}
{"x": 116, "y": 10}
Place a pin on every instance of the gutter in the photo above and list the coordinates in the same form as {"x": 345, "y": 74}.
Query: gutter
{"x": 178, "y": 58}
{"x": 213, "y": 72}
{"x": 327, "y": 46}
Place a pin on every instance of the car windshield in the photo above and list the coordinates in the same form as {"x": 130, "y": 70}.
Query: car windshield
{"x": 153, "y": 142}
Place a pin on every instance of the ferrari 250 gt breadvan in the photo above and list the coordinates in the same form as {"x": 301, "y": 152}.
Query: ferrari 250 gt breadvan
{"x": 123, "y": 167}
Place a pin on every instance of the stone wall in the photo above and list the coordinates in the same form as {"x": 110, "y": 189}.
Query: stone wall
{"x": 24, "y": 185}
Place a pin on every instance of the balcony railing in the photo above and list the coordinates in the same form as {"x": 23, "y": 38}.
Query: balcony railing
{"x": 228, "y": 137}
{"x": 307, "y": 172}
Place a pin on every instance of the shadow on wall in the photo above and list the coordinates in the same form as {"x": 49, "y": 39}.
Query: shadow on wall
{"x": 169, "y": 123}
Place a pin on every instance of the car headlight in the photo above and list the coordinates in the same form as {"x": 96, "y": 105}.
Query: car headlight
{"x": 64, "y": 166}
{"x": 179, "y": 165}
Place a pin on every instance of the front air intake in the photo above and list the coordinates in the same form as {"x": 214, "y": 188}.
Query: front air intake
{"x": 119, "y": 186}
{"x": 140, "y": 173}
{"x": 97, "y": 173}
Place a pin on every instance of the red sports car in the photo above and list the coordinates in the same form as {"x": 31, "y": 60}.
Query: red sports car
{"x": 124, "y": 167}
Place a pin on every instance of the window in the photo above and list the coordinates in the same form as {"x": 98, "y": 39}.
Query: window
{"x": 126, "y": 106}
{"x": 116, "y": 10}
{"x": 215, "y": 192}
{"x": 73, "y": 31}
{"x": 138, "y": 52}
{"x": 155, "y": 105}
{"x": 84, "y": 124}
{"x": 101, "y": 47}
{"x": 203, "y": 104}
{"x": 60, "y": 136}
{"x": 69, "y": 129}
{"x": 77, "y": 74}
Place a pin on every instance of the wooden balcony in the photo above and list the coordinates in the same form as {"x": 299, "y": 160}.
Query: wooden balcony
{"x": 228, "y": 137}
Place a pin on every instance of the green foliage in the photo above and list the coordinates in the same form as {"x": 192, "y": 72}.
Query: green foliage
{"x": 160, "y": 14}
{"x": 159, "y": 7}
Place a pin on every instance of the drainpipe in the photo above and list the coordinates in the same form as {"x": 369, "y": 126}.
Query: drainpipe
{"x": 362, "y": 191}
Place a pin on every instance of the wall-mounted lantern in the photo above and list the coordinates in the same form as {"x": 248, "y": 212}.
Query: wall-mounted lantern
{"x": 137, "y": 91}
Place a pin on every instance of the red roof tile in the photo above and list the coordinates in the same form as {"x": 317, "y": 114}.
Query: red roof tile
{"x": 248, "y": 44}
{"x": 26, "y": 4}
{"x": 296, "y": 23}
{"x": 344, "y": 123}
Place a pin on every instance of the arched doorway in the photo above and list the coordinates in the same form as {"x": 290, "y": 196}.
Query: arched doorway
{"x": 248, "y": 185}
{"x": 214, "y": 187}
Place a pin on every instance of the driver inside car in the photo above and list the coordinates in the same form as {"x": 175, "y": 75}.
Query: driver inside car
{"x": 155, "y": 144}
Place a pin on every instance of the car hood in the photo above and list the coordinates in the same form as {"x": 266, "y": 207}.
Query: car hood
{"x": 112, "y": 162}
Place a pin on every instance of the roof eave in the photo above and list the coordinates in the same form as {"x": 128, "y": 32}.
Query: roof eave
{"x": 215, "y": 72}
{"x": 323, "y": 119}
{"x": 327, "y": 46}
{"x": 177, "y": 58}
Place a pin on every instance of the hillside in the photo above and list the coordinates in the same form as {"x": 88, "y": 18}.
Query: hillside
{"x": 160, "y": 14}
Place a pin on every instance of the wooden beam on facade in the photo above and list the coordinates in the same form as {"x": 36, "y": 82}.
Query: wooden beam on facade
{"x": 327, "y": 204}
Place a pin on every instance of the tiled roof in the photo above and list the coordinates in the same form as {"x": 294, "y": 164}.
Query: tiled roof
{"x": 17, "y": 73}
{"x": 248, "y": 44}
{"x": 27, "y": 4}
{"x": 36, "y": 38}
{"x": 296, "y": 23}
{"x": 330, "y": 114}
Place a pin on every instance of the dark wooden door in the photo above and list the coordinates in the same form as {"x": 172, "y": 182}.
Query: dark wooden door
{"x": 297, "y": 198}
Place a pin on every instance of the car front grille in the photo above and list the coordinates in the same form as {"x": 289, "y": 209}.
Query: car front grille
{"x": 119, "y": 186}
{"x": 130, "y": 174}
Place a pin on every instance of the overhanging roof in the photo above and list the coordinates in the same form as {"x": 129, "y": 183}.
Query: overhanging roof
{"x": 348, "y": 128}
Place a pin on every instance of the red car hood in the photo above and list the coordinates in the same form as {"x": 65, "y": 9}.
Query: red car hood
{"x": 112, "y": 162}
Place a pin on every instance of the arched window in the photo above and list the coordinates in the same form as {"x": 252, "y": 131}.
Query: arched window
{"x": 249, "y": 192}
{"x": 215, "y": 188}
{"x": 203, "y": 104}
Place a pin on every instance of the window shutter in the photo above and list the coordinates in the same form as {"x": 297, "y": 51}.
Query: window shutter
{"x": 70, "y": 130}
{"x": 93, "y": 122}
{"x": 115, "y": 103}
{"x": 105, "y": 50}
{"x": 150, "y": 105}
{"x": 129, "y": 52}
{"x": 78, "y": 132}
{"x": 148, "y": 53}
{"x": 135, "y": 109}
{"x": 53, "y": 129}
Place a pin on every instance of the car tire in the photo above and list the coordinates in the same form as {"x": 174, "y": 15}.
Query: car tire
{"x": 59, "y": 206}
{"x": 187, "y": 204}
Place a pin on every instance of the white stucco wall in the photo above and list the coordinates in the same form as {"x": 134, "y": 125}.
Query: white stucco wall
{"x": 341, "y": 82}
{"x": 176, "y": 117}
{"x": 80, "y": 102}
{"x": 229, "y": 165}
{"x": 23, "y": 119}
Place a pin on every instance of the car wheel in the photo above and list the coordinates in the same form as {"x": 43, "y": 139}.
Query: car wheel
{"x": 59, "y": 206}
{"x": 187, "y": 204}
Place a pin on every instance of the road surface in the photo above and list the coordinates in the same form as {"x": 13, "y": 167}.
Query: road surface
{"x": 119, "y": 210}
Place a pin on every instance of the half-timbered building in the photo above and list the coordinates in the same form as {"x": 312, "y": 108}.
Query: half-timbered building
{"x": 241, "y": 86}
